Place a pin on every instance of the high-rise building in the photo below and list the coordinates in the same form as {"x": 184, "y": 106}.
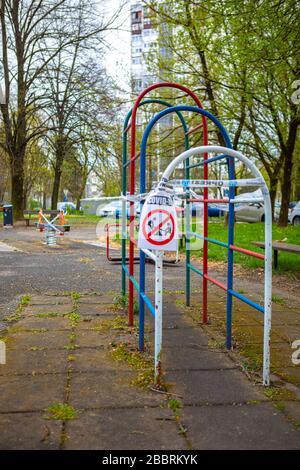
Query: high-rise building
{"x": 143, "y": 36}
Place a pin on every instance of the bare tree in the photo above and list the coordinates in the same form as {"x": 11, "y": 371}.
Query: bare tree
{"x": 33, "y": 33}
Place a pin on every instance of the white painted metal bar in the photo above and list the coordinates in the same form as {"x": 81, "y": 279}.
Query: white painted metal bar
{"x": 150, "y": 254}
{"x": 50, "y": 223}
{"x": 268, "y": 232}
{"x": 158, "y": 315}
{"x": 217, "y": 183}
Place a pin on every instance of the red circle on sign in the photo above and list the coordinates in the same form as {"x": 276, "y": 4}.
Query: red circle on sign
{"x": 148, "y": 237}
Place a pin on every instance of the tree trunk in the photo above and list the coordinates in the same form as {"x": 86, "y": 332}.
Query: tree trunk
{"x": 60, "y": 155}
{"x": 56, "y": 184}
{"x": 273, "y": 191}
{"x": 286, "y": 182}
{"x": 44, "y": 200}
{"x": 285, "y": 190}
{"x": 17, "y": 182}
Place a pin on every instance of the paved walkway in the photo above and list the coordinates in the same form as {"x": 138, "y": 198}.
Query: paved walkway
{"x": 70, "y": 383}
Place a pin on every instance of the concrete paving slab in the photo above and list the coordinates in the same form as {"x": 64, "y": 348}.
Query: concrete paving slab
{"x": 93, "y": 322}
{"x": 47, "y": 323}
{"x": 292, "y": 409}
{"x": 34, "y": 362}
{"x": 97, "y": 299}
{"x": 30, "y": 393}
{"x": 28, "y": 431}
{"x": 48, "y": 340}
{"x": 91, "y": 339}
{"x": 110, "y": 389}
{"x": 138, "y": 428}
{"x": 91, "y": 359}
{"x": 92, "y": 310}
{"x": 40, "y": 300}
{"x": 193, "y": 359}
{"x": 185, "y": 336}
{"x": 242, "y": 427}
{"x": 48, "y": 309}
{"x": 211, "y": 386}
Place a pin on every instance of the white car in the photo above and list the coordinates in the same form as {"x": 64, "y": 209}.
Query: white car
{"x": 294, "y": 214}
{"x": 65, "y": 206}
{"x": 251, "y": 212}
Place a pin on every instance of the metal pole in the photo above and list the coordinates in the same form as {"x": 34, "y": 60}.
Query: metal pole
{"x": 158, "y": 316}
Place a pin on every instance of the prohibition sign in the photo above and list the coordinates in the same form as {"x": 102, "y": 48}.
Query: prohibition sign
{"x": 149, "y": 235}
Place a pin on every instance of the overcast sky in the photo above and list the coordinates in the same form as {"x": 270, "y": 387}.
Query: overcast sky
{"x": 118, "y": 50}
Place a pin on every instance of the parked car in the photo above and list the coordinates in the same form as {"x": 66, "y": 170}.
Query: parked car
{"x": 251, "y": 212}
{"x": 213, "y": 211}
{"x": 114, "y": 209}
{"x": 294, "y": 214}
{"x": 65, "y": 206}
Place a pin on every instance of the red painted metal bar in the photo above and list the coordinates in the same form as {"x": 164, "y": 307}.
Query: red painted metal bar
{"x": 127, "y": 128}
{"x": 107, "y": 227}
{"x": 132, "y": 188}
{"x": 247, "y": 252}
{"x": 196, "y": 128}
{"x": 214, "y": 281}
{"x": 221, "y": 201}
{"x": 108, "y": 256}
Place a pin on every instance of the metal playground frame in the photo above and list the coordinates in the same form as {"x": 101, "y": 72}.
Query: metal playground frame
{"x": 229, "y": 155}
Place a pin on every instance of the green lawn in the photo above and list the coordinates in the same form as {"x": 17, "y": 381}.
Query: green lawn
{"x": 245, "y": 233}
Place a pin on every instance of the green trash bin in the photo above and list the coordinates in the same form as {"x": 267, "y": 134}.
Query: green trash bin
{"x": 7, "y": 215}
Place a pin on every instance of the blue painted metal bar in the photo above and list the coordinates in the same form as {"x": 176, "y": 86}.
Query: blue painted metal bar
{"x": 149, "y": 304}
{"x": 196, "y": 270}
{"x": 247, "y": 301}
{"x": 211, "y": 240}
{"x": 209, "y": 160}
{"x": 135, "y": 283}
{"x": 230, "y": 162}
{"x": 124, "y": 267}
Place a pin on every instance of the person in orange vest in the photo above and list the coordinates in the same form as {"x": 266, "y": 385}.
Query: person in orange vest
{"x": 41, "y": 220}
{"x": 62, "y": 220}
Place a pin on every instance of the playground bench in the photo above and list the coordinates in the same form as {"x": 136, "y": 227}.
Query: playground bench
{"x": 279, "y": 246}
{"x": 29, "y": 213}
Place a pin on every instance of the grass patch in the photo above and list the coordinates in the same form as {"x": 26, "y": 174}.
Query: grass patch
{"x": 117, "y": 323}
{"x": 73, "y": 317}
{"x": 75, "y": 295}
{"x": 23, "y": 302}
{"x": 85, "y": 260}
{"x": 121, "y": 302}
{"x": 61, "y": 412}
{"x": 245, "y": 233}
{"x": 139, "y": 361}
{"x": 38, "y": 330}
{"x": 278, "y": 300}
{"x": 47, "y": 315}
{"x": 215, "y": 344}
{"x": 13, "y": 317}
{"x": 175, "y": 406}
{"x": 279, "y": 394}
{"x": 136, "y": 359}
